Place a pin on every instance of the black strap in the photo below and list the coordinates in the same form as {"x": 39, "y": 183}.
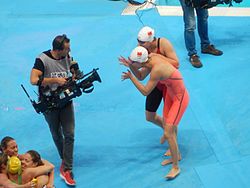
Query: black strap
{"x": 158, "y": 43}
{"x": 40, "y": 80}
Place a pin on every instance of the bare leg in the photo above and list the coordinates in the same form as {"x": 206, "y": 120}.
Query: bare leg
{"x": 162, "y": 139}
{"x": 175, "y": 171}
{"x": 153, "y": 117}
{"x": 168, "y": 153}
{"x": 169, "y": 161}
{"x": 170, "y": 135}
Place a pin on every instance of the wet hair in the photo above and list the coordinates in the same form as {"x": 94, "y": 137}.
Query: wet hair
{"x": 3, "y": 160}
{"x": 58, "y": 42}
{"x": 36, "y": 157}
{"x": 4, "y": 142}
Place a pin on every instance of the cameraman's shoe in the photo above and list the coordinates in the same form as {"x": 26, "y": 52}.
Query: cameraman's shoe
{"x": 195, "y": 61}
{"x": 68, "y": 177}
{"x": 61, "y": 168}
{"x": 210, "y": 49}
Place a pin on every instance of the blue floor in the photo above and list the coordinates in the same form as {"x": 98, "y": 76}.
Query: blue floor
{"x": 114, "y": 145}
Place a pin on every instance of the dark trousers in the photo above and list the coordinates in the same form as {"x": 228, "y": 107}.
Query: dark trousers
{"x": 62, "y": 127}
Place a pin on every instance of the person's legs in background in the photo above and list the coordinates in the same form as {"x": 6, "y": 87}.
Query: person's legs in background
{"x": 189, "y": 34}
{"x": 206, "y": 47}
{"x": 202, "y": 22}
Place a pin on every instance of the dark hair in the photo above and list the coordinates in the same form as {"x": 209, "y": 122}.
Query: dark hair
{"x": 58, "y": 42}
{"x": 3, "y": 160}
{"x": 4, "y": 142}
{"x": 36, "y": 158}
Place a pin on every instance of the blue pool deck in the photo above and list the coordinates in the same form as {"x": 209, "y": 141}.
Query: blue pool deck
{"x": 114, "y": 145}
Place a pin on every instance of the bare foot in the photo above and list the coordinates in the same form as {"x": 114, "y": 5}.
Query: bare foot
{"x": 163, "y": 139}
{"x": 175, "y": 171}
{"x": 166, "y": 162}
{"x": 169, "y": 161}
{"x": 168, "y": 153}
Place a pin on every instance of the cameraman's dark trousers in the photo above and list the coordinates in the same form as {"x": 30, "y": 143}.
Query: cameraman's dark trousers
{"x": 62, "y": 127}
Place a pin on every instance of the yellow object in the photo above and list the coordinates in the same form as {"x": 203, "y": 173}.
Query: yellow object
{"x": 14, "y": 165}
{"x": 34, "y": 180}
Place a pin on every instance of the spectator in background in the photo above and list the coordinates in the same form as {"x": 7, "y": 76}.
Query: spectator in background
{"x": 189, "y": 33}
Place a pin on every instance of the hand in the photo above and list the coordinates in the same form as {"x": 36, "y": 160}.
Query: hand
{"x": 61, "y": 81}
{"x": 21, "y": 156}
{"x": 126, "y": 75}
{"x": 124, "y": 61}
{"x": 30, "y": 184}
{"x": 73, "y": 62}
{"x": 49, "y": 185}
{"x": 33, "y": 182}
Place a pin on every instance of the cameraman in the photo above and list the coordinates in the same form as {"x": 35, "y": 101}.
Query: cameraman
{"x": 52, "y": 68}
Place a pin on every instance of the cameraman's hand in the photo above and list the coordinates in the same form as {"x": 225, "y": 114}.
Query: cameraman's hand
{"x": 61, "y": 81}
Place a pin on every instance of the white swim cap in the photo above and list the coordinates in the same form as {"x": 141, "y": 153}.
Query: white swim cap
{"x": 146, "y": 34}
{"x": 139, "y": 54}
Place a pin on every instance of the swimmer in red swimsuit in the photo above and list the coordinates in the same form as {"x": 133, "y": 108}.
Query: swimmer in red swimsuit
{"x": 174, "y": 92}
{"x": 146, "y": 38}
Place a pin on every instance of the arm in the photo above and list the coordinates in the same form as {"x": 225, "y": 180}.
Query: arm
{"x": 140, "y": 74}
{"x": 40, "y": 170}
{"x": 6, "y": 183}
{"x": 35, "y": 74}
{"x": 168, "y": 51}
{"x": 145, "y": 90}
{"x": 50, "y": 183}
{"x": 47, "y": 179}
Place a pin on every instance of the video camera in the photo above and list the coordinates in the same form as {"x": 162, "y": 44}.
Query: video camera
{"x": 206, "y": 4}
{"x": 49, "y": 100}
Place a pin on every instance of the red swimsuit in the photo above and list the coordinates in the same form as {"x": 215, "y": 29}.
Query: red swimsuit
{"x": 175, "y": 96}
